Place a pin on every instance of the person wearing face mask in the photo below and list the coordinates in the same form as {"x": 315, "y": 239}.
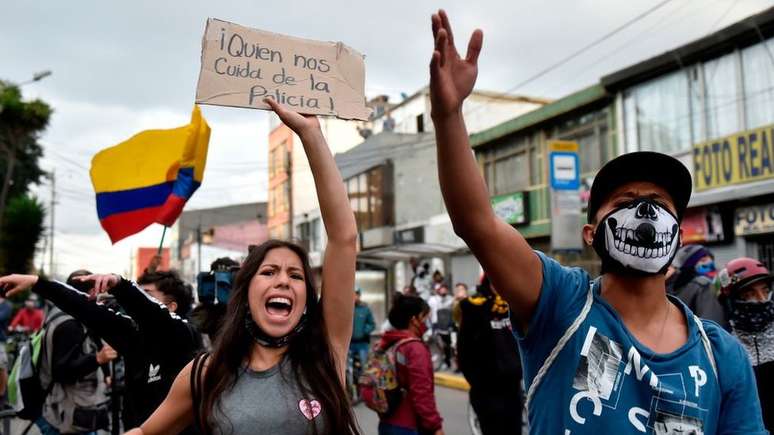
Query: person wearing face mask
{"x": 30, "y": 318}
{"x": 611, "y": 355}
{"x": 278, "y": 363}
{"x": 153, "y": 337}
{"x": 690, "y": 279}
{"x": 747, "y": 297}
{"x": 417, "y": 412}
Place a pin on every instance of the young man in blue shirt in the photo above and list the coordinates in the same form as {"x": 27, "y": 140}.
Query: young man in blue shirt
{"x": 613, "y": 355}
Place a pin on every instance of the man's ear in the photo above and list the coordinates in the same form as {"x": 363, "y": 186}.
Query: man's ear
{"x": 172, "y": 306}
{"x": 588, "y": 234}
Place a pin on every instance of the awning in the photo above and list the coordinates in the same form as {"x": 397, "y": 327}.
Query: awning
{"x": 406, "y": 251}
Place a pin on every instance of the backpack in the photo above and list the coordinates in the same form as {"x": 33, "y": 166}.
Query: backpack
{"x": 25, "y": 391}
{"x": 378, "y": 385}
{"x": 444, "y": 319}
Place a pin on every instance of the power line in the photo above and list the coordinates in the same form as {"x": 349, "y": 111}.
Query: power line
{"x": 587, "y": 47}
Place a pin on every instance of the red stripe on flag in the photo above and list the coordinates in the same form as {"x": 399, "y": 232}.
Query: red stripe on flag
{"x": 121, "y": 225}
{"x": 170, "y": 210}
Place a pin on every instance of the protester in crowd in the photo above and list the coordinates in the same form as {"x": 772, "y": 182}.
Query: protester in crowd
{"x": 28, "y": 319}
{"x": 362, "y": 328}
{"x": 70, "y": 370}
{"x": 410, "y": 290}
{"x": 489, "y": 360}
{"x": 614, "y": 355}
{"x": 152, "y": 336}
{"x": 441, "y": 318}
{"x": 417, "y": 412}
{"x": 423, "y": 281}
{"x": 438, "y": 280}
{"x": 460, "y": 291}
{"x": 690, "y": 280}
{"x": 278, "y": 366}
{"x": 746, "y": 295}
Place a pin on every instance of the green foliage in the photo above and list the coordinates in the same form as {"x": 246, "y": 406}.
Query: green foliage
{"x": 21, "y": 123}
{"x": 22, "y": 228}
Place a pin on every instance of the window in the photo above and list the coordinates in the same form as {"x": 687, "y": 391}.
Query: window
{"x": 420, "y": 123}
{"x": 511, "y": 173}
{"x": 659, "y": 112}
{"x": 278, "y": 159}
{"x": 758, "y": 76}
{"x": 590, "y": 131}
{"x": 721, "y": 99}
{"x": 370, "y": 196}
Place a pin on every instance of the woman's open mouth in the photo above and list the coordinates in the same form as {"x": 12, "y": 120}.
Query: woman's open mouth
{"x": 279, "y": 306}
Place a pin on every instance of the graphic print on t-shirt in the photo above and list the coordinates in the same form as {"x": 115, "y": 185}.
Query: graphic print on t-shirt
{"x": 602, "y": 374}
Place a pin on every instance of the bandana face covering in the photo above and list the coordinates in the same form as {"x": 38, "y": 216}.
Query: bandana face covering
{"x": 640, "y": 237}
{"x": 752, "y": 317}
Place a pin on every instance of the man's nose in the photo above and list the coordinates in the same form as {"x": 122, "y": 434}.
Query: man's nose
{"x": 646, "y": 211}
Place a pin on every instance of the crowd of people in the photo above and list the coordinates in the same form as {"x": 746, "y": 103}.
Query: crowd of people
{"x": 662, "y": 342}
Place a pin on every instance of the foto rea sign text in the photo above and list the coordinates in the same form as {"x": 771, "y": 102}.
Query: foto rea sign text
{"x": 736, "y": 159}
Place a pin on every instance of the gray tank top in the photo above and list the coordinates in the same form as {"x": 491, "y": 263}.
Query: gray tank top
{"x": 268, "y": 402}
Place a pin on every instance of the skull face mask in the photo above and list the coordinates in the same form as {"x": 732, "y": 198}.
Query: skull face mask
{"x": 639, "y": 237}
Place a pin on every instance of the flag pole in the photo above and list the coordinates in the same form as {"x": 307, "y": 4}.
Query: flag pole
{"x": 161, "y": 244}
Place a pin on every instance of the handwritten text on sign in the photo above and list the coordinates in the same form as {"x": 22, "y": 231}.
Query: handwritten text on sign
{"x": 242, "y": 66}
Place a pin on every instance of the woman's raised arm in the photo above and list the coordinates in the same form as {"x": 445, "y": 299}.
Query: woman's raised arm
{"x": 338, "y": 270}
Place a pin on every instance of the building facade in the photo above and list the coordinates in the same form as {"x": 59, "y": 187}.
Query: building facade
{"x": 710, "y": 103}
{"x": 513, "y": 158}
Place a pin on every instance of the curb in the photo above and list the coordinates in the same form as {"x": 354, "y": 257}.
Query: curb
{"x": 449, "y": 380}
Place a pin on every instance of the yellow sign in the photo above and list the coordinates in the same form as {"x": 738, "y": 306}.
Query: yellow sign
{"x": 736, "y": 159}
{"x": 563, "y": 146}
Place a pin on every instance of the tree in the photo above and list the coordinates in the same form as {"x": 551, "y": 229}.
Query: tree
{"x": 21, "y": 123}
{"x": 21, "y": 230}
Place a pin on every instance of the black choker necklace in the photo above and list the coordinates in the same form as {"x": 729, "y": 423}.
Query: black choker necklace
{"x": 266, "y": 340}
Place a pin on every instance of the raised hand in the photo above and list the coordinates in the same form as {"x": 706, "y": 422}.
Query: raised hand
{"x": 302, "y": 125}
{"x": 451, "y": 77}
{"x": 14, "y": 284}
{"x": 102, "y": 283}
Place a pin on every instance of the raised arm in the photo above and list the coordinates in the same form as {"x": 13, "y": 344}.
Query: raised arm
{"x": 116, "y": 329}
{"x": 338, "y": 270}
{"x": 513, "y": 267}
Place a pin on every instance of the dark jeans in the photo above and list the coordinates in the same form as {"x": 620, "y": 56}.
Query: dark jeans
{"x": 388, "y": 429}
{"x": 498, "y": 412}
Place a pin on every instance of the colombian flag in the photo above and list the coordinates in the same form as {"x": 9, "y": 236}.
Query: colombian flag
{"x": 149, "y": 177}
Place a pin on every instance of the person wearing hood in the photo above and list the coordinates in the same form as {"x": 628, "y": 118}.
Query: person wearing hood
{"x": 417, "y": 412}
{"x": 690, "y": 280}
{"x": 746, "y": 296}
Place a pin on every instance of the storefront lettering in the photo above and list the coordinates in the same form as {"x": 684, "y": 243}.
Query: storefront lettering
{"x": 755, "y": 220}
{"x": 740, "y": 158}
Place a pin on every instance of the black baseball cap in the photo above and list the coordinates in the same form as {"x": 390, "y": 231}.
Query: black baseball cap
{"x": 657, "y": 168}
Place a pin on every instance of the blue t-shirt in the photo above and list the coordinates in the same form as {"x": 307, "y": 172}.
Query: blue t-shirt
{"x": 605, "y": 382}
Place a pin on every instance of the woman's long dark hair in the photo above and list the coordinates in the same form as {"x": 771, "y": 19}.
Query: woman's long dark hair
{"x": 309, "y": 352}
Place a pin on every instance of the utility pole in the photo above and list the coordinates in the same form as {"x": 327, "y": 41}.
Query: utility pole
{"x": 51, "y": 269}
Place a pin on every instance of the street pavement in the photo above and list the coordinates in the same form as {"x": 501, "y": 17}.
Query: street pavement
{"x": 453, "y": 405}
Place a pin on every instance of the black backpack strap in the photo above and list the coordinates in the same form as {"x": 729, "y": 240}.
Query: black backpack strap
{"x": 196, "y": 385}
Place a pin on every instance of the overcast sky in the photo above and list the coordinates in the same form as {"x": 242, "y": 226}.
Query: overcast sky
{"x": 119, "y": 68}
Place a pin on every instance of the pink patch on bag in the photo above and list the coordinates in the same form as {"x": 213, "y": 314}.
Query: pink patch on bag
{"x": 310, "y": 409}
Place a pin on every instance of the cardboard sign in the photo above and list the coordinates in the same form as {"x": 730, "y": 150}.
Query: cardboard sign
{"x": 242, "y": 66}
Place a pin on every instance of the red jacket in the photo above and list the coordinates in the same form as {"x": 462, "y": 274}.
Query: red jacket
{"x": 415, "y": 374}
{"x": 32, "y": 319}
